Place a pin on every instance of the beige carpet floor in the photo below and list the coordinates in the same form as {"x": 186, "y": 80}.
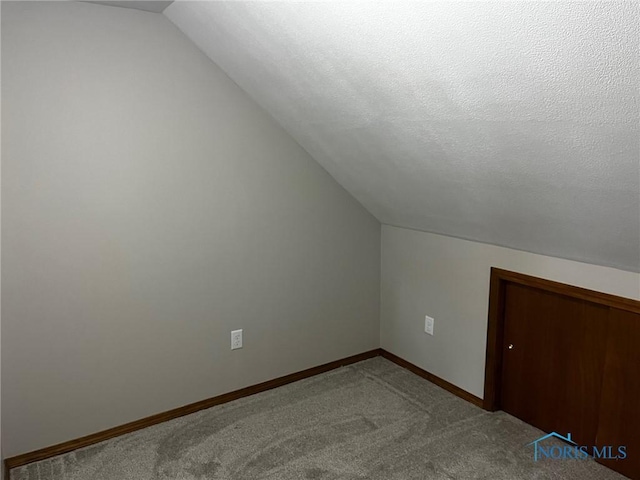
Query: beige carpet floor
{"x": 371, "y": 420}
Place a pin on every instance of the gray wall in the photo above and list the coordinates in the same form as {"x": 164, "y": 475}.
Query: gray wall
{"x": 448, "y": 279}
{"x": 1, "y": 450}
{"x": 149, "y": 208}
{"x": 1, "y": 447}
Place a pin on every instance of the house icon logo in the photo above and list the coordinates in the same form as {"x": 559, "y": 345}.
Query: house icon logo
{"x": 571, "y": 450}
{"x": 541, "y": 449}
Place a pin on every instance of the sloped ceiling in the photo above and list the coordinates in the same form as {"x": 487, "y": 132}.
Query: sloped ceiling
{"x": 512, "y": 123}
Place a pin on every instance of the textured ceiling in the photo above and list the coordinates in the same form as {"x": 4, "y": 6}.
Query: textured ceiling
{"x": 512, "y": 123}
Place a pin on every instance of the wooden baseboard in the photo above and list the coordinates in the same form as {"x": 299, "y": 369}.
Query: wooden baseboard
{"x": 82, "y": 442}
{"x": 450, "y": 387}
{"x": 65, "y": 447}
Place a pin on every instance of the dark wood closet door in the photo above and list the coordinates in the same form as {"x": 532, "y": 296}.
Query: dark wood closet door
{"x": 553, "y": 356}
{"x": 620, "y": 402}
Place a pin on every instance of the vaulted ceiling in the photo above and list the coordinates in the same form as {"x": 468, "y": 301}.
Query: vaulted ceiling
{"x": 512, "y": 123}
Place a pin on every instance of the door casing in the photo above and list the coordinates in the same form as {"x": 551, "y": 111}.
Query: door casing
{"x": 496, "y": 322}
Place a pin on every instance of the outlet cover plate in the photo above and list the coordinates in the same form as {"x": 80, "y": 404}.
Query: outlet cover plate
{"x": 428, "y": 324}
{"x": 236, "y": 339}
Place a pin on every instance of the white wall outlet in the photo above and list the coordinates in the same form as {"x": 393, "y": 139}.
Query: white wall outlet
{"x": 236, "y": 339}
{"x": 428, "y": 325}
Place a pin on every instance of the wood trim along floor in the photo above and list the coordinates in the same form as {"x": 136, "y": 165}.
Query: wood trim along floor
{"x": 65, "y": 447}
{"x": 85, "y": 441}
{"x": 450, "y": 387}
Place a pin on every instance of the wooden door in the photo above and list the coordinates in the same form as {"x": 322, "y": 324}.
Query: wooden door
{"x": 553, "y": 356}
{"x": 619, "y": 422}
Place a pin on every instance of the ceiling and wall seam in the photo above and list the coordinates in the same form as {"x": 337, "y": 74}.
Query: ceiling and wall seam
{"x": 512, "y": 124}
{"x": 256, "y": 100}
{"x": 574, "y": 259}
{"x": 151, "y": 6}
{"x": 278, "y": 122}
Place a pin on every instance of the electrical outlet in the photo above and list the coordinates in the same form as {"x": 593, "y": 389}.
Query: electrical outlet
{"x": 428, "y": 325}
{"x": 236, "y": 339}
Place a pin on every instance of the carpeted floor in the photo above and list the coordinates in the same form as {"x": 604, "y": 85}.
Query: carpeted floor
{"x": 371, "y": 420}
